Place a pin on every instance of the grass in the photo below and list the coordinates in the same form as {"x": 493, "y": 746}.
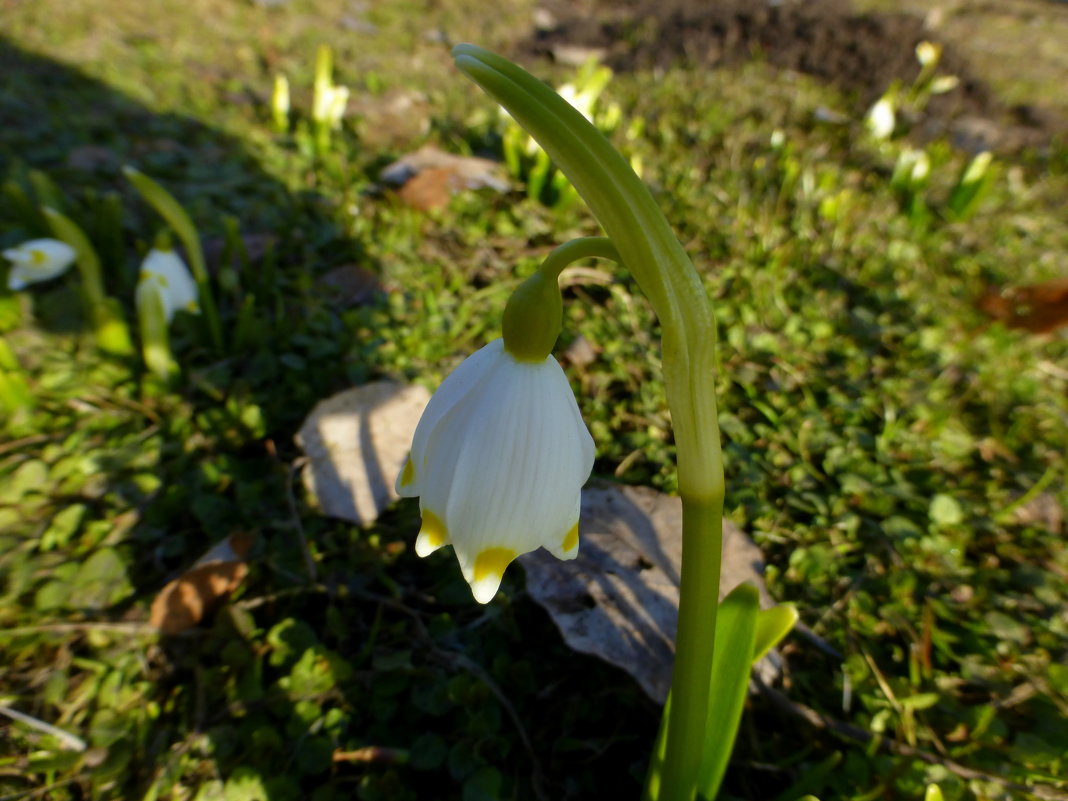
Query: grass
{"x": 884, "y": 443}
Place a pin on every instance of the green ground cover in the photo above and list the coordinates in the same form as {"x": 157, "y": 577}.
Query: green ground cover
{"x": 890, "y": 451}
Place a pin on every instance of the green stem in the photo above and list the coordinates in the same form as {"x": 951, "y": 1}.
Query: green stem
{"x": 110, "y": 330}
{"x": 180, "y": 222}
{"x": 588, "y": 247}
{"x": 534, "y": 313}
{"x": 652, "y": 253}
{"x": 155, "y": 337}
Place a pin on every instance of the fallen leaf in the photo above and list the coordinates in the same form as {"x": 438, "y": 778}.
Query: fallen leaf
{"x": 357, "y": 442}
{"x": 618, "y": 599}
{"x": 1039, "y": 308}
{"x": 186, "y": 600}
{"x": 428, "y": 177}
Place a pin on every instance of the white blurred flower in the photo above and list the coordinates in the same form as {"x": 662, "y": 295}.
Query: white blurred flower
{"x": 498, "y": 461}
{"x": 913, "y": 166}
{"x": 881, "y": 119}
{"x": 163, "y": 271}
{"x": 928, "y": 53}
{"x": 329, "y": 105}
{"x": 37, "y": 260}
{"x": 944, "y": 83}
{"x": 280, "y": 102}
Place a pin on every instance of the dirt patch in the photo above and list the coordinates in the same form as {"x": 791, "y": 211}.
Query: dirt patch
{"x": 860, "y": 53}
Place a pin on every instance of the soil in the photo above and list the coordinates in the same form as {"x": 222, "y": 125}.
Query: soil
{"x": 860, "y": 53}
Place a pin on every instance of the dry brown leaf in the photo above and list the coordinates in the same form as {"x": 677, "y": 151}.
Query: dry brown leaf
{"x": 619, "y": 598}
{"x": 1039, "y": 308}
{"x": 185, "y": 601}
{"x": 357, "y": 442}
{"x": 428, "y": 177}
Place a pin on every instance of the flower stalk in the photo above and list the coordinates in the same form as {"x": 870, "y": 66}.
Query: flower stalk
{"x": 179, "y": 221}
{"x": 109, "y": 324}
{"x": 650, "y": 251}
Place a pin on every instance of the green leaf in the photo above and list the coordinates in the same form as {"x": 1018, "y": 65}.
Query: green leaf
{"x": 178, "y": 219}
{"x": 106, "y": 728}
{"x": 933, "y": 793}
{"x": 245, "y": 784}
{"x": 483, "y": 785}
{"x": 813, "y": 779}
{"x": 109, "y": 323}
{"x": 772, "y": 625}
{"x": 945, "y": 511}
{"x": 921, "y": 701}
{"x": 100, "y": 582}
{"x": 429, "y": 752}
{"x": 974, "y": 182}
{"x": 63, "y": 527}
{"x": 736, "y": 626}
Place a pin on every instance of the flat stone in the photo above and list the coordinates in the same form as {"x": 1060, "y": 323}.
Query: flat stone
{"x": 357, "y": 442}
{"x": 619, "y": 598}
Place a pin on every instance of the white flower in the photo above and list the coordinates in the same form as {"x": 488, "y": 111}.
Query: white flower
{"x": 881, "y": 118}
{"x": 37, "y": 260}
{"x": 498, "y": 461}
{"x": 928, "y": 53}
{"x": 329, "y": 105}
{"x": 163, "y": 271}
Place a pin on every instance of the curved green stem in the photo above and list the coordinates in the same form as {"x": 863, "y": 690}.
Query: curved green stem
{"x": 587, "y": 247}
{"x": 534, "y": 313}
{"x": 650, "y": 251}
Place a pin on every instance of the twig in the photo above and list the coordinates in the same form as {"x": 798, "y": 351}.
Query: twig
{"x": 291, "y": 499}
{"x": 69, "y": 741}
{"x": 66, "y": 628}
{"x": 373, "y": 753}
{"x": 849, "y": 731}
{"x": 252, "y": 603}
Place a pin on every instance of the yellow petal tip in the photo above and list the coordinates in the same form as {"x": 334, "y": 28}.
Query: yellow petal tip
{"x": 490, "y": 565}
{"x": 570, "y": 539}
{"x": 432, "y": 534}
{"x": 408, "y": 473}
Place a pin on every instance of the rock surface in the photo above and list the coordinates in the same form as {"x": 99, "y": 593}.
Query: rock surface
{"x": 357, "y": 442}
{"x": 619, "y": 598}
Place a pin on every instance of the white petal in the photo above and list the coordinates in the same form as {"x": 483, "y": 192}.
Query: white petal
{"x": 453, "y": 389}
{"x": 38, "y": 260}
{"x": 484, "y": 587}
{"x": 498, "y": 460}
{"x": 168, "y": 271}
{"x": 519, "y": 471}
{"x": 424, "y": 545}
{"x": 566, "y": 547}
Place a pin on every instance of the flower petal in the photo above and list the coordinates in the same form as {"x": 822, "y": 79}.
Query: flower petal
{"x": 179, "y": 291}
{"x": 520, "y": 469}
{"x": 498, "y": 460}
{"x": 488, "y": 571}
{"x": 37, "y": 260}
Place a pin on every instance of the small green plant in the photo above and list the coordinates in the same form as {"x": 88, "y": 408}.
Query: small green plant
{"x": 528, "y": 162}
